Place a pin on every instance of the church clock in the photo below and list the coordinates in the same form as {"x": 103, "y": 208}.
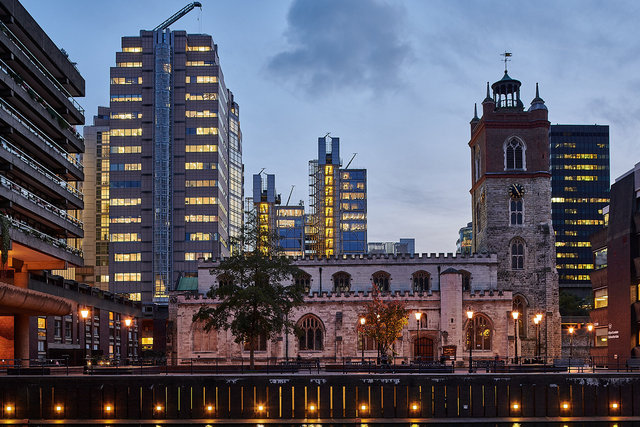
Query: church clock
{"x": 516, "y": 191}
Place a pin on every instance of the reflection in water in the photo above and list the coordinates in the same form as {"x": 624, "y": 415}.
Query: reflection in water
{"x": 357, "y": 424}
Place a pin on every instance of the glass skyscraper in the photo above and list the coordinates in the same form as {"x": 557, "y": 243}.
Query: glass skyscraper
{"x": 580, "y": 190}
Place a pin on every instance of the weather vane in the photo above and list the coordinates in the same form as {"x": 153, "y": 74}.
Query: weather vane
{"x": 506, "y": 59}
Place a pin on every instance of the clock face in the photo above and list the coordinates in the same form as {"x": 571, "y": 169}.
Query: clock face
{"x": 516, "y": 191}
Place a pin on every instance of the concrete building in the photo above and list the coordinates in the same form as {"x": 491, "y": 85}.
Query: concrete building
{"x": 175, "y": 162}
{"x": 403, "y": 246}
{"x": 40, "y": 170}
{"x": 511, "y": 204}
{"x": 580, "y": 189}
{"x": 616, "y": 275}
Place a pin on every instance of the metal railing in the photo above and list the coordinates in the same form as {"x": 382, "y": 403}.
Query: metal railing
{"x": 48, "y": 141}
{"x": 39, "y": 168}
{"x": 16, "y": 41}
{"x": 39, "y": 201}
{"x": 27, "y": 229}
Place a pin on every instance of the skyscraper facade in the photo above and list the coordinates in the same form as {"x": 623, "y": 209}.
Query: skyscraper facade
{"x": 175, "y": 162}
{"x": 580, "y": 190}
{"x": 337, "y": 223}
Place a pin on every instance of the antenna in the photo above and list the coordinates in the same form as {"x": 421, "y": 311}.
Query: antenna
{"x": 328, "y": 133}
{"x": 261, "y": 170}
{"x": 506, "y": 59}
{"x": 352, "y": 157}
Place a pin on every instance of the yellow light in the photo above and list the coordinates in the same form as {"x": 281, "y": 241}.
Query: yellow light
{"x": 107, "y": 408}
{"x": 260, "y": 408}
{"x": 58, "y": 408}
{"x": 415, "y": 406}
{"x": 127, "y": 322}
{"x": 590, "y": 327}
{"x": 565, "y": 406}
{"x": 614, "y": 405}
{"x": 312, "y": 407}
{"x": 536, "y": 320}
{"x": 418, "y": 315}
{"x": 209, "y": 408}
{"x": 515, "y": 405}
{"x": 363, "y": 407}
{"x": 539, "y": 317}
{"x": 515, "y": 315}
{"x": 8, "y": 408}
{"x": 363, "y": 321}
{"x": 84, "y": 313}
{"x": 470, "y": 314}
{"x": 571, "y": 329}
{"x": 158, "y": 408}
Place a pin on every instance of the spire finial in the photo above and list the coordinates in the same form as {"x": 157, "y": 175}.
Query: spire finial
{"x": 475, "y": 111}
{"x": 537, "y": 91}
{"x": 506, "y": 59}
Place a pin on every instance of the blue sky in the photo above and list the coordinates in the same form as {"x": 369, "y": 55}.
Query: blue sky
{"x": 396, "y": 81}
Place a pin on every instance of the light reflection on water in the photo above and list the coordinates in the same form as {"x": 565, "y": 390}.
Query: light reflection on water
{"x": 355, "y": 424}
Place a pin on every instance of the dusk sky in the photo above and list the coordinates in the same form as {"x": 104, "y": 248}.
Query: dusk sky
{"x": 396, "y": 81}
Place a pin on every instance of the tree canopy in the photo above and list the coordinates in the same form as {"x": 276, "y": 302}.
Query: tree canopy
{"x": 384, "y": 320}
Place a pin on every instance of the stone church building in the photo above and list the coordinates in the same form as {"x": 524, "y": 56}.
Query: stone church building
{"x": 512, "y": 269}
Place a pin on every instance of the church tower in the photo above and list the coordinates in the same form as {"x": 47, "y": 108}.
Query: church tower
{"x": 511, "y": 205}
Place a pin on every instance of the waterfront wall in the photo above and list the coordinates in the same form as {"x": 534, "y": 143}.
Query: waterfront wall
{"x": 289, "y": 397}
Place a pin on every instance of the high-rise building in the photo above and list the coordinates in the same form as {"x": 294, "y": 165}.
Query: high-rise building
{"x": 175, "y": 162}
{"x": 403, "y": 246}
{"x": 579, "y": 189}
{"x": 463, "y": 245}
{"x": 337, "y": 223}
{"x": 40, "y": 170}
{"x": 511, "y": 205}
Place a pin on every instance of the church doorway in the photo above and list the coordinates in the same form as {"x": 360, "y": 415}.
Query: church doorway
{"x": 423, "y": 349}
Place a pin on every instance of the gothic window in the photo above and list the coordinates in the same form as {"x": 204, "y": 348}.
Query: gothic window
{"x": 477, "y": 163}
{"x": 260, "y": 343}
{"x": 369, "y": 342}
{"x": 312, "y": 333}
{"x": 515, "y": 210}
{"x": 517, "y": 254}
{"x": 514, "y": 154}
{"x": 381, "y": 280}
{"x": 478, "y": 217}
{"x": 303, "y": 279}
{"x": 202, "y": 340}
{"x": 466, "y": 280}
{"x": 420, "y": 280}
{"x": 478, "y": 333}
{"x": 341, "y": 282}
{"x": 519, "y": 305}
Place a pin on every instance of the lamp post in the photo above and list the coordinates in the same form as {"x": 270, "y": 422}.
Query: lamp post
{"x": 84, "y": 313}
{"x": 471, "y": 338}
{"x": 418, "y": 316}
{"x": 127, "y": 323}
{"x": 539, "y": 317}
{"x": 590, "y": 329}
{"x": 362, "y": 322}
{"x": 571, "y": 331}
{"x": 537, "y": 323}
{"x": 515, "y": 315}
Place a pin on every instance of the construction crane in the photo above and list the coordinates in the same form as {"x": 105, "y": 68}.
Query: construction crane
{"x": 348, "y": 164}
{"x": 188, "y": 8}
{"x": 290, "y": 193}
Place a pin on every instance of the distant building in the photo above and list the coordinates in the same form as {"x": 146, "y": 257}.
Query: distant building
{"x": 463, "y": 245}
{"x": 404, "y": 246}
{"x": 337, "y": 223}
{"x": 580, "y": 189}
{"x": 616, "y": 275}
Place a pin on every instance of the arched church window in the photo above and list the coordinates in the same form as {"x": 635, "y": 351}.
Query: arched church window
{"x": 341, "y": 282}
{"x": 514, "y": 154}
{"x": 517, "y": 254}
{"x": 478, "y": 333}
{"x": 477, "y": 163}
{"x": 520, "y": 305}
{"x": 312, "y": 333}
{"x": 304, "y": 280}
{"x": 381, "y": 279}
{"x": 420, "y": 280}
{"x": 515, "y": 212}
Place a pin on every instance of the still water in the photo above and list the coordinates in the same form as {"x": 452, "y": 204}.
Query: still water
{"x": 368, "y": 424}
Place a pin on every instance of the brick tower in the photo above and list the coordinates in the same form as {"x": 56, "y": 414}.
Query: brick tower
{"x": 511, "y": 205}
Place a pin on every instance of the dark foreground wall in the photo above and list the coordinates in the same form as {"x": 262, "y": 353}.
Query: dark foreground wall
{"x": 322, "y": 396}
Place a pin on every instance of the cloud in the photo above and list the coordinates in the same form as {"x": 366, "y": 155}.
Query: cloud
{"x": 337, "y": 44}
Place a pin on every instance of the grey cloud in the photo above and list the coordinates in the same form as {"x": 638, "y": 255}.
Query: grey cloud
{"x": 337, "y": 44}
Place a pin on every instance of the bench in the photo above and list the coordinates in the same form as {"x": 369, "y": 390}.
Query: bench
{"x": 633, "y": 363}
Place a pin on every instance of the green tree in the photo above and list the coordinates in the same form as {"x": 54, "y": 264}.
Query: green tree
{"x": 255, "y": 292}
{"x": 384, "y": 320}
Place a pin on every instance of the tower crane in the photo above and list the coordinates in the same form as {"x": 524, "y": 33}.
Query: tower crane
{"x": 179, "y": 14}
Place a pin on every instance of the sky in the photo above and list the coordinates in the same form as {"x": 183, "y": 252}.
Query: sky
{"x": 396, "y": 81}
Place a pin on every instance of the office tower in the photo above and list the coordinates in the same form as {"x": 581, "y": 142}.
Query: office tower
{"x": 403, "y": 246}
{"x": 463, "y": 245}
{"x": 511, "y": 205}
{"x": 39, "y": 173}
{"x": 175, "y": 161}
{"x": 337, "y": 223}
{"x": 579, "y": 189}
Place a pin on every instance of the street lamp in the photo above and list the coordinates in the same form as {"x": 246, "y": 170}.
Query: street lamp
{"x": 84, "y": 313}
{"x": 362, "y": 322}
{"x": 471, "y": 338}
{"x": 590, "y": 329}
{"x": 127, "y": 323}
{"x": 539, "y": 317}
{"x": 418, "y": 316}
{"x": 571, "y": 331}
{"x": 515, "y": 315}
{"x": 537, "y": 322}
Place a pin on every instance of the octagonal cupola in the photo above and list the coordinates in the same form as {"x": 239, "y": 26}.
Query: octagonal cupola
{"x": 506, "y": 94}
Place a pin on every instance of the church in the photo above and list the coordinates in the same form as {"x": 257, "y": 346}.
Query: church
{"x": 454, "y": 302}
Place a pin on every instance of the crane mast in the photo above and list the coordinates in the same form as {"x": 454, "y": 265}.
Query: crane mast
{"x": 179, "y": 14}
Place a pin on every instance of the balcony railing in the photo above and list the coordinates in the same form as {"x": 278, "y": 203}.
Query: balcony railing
{"x": 48, "y": 141}
{"x": 16, "y": 41}
{"x": 58, "y": 243}
{"x": 39, "y": 168}
{"x": 33, "y": 94}
{"x": 39, "y": 201}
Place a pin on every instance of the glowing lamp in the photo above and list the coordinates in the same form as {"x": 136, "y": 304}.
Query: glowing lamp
{"x": 158, "y": 408}
{"x": 418, "y": 315}
{"x": 312, "y": 407}
{"x": 363, "y": 321}
{"x": 515, "y": 315}
{"x": 260, "y": 408}
{"x": 565, "y": 406}
{"x": 108, "y": 408}
{"x": 469, "y": 314}
{"x": 58, "y": 408}
{"x": 127, "y": 322}
{"x": 571, "y": 330}
{"x": 8, "y": 409}
{"x": 415, "y": 407}
{"x": 614, "y": 405}
{"x": 363, "y": 407}
{"x": 515, "y": 405}
{"x": 590, "y": 327}
{"x": 209, "y": 408}
{"x": 539, "y": 317}
{"x": 84, "y": 313}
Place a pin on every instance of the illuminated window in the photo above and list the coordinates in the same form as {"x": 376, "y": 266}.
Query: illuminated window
{"x": 126, "y": 98}
{"x": 126, "y": 132}
{"x": 193, "y": 256}
{"x": 202, "y": 131}
{"x": 42, "y": 323}
{"x": 205, "y": 148}
{"x": 129, "y": 64}
{"x": 201, "y": 79}
{"x": 132, "y": 49}
{"x": 135, "y": 296}
{"x": 126, "y": 80}
{"x": 125, "y": 202}
{"x": 478, "y": 333}
{"x": 200, "y": 183}
{"x": 126, "y": 149}
{"x": 514, "y": 154}
{"x": 200, "y": 200}
{"x": 125, "y": 116}
{"x": 517, "y": 254}
{"x": 206, "y": 96}
{"x": 124, "y": 237}
{"x": 198, "y": 48}
{"x": 127, "y": 277}
{"x": 200, "y": 218}
{"x": 198, "y": 236}
{"x": 125, "y": 220}
{"x": 205, "y": 113}
{"x": 601, "y": 337}
{"x": 600, "y": 258}
{"x": 130, "y": 257}
{"x": 601, "y": 298}
{"x": 199, "y": 63}
{"x": 125, "y": 166}
{"x": 312, "y": 333}
{"x": 199, "y": 165}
